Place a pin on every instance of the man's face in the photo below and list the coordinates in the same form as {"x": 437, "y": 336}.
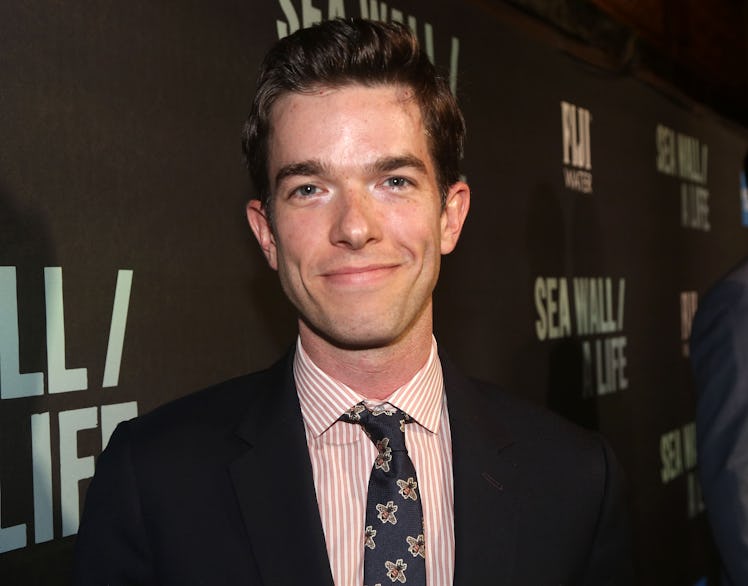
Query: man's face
{"x": 358, "y": 226}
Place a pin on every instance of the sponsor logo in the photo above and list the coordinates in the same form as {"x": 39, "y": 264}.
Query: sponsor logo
{"x": 590, "y": 309}
{"x": 303, "y": 14}
{"x": 54, "y": 436}
{"x": 685, "y": 157}
{"x": 743, "y": 198}
{"x": 678, "y": 459}
{"x": 576, "y": 155}
{"x": 689, "y": 301}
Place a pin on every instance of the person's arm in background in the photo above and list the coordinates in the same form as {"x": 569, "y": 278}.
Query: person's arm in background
{"x": 719, "y": 359}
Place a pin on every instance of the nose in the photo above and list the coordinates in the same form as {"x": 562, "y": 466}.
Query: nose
{"x": 356, "y": 222}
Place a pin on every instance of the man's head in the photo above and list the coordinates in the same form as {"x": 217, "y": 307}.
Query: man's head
{"x": 340, "y": 52}
{"x": 346, "y": 145}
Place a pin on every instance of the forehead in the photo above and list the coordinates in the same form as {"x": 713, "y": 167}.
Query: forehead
{"x": 345, "y": 122}
{"x": 396, "y": 95}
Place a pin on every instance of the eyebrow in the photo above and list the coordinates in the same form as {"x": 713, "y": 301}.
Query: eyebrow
{"x": 381, "y": 165}
{"x": 386, "y": 164}
{"x": 310, "y": 167}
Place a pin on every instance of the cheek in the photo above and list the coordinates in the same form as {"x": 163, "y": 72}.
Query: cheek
{"x": 419, "y": 231}
{"x": 296, "y": 245}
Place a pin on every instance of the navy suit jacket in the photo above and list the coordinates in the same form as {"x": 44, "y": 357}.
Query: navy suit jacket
{"x": 719, "y": 359}
{"x": 216, "y": 488}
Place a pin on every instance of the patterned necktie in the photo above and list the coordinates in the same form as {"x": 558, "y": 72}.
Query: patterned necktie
{"x": 393, "y": 536}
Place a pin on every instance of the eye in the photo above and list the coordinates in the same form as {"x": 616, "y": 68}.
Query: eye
{"x": 397, "y": 182}
{"x": 306, "y": 190}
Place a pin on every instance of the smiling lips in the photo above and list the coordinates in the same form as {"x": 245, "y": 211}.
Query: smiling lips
{"x": 364, "y": 275}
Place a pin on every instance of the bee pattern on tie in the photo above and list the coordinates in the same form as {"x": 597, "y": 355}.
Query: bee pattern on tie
{"x": 394, "y": 545}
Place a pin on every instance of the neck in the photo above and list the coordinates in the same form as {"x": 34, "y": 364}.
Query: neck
{"x": 376, "y": 372}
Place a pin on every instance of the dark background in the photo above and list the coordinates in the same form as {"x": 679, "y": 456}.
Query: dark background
{"x": 119, "y": 127}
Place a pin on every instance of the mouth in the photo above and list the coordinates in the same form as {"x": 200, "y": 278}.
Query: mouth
{"x": 359, "y": 275}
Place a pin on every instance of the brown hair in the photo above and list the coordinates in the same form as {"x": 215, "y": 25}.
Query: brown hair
{"x": 339, "y": 52}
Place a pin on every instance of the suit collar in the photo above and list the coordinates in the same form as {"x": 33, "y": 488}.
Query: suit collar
{"x": 472, "y": 409}
{"x": 274, "y": 486}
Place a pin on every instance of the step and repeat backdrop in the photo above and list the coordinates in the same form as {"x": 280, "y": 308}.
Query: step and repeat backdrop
{"x": 602, "y": 210}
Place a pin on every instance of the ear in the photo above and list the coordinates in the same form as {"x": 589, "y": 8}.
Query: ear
{"x": 258, "y": 221}
{"x": 453, "y": 215}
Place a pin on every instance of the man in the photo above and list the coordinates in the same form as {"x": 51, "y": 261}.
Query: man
{"x": 719, "y": 359}
{"x": 353, "y": 143}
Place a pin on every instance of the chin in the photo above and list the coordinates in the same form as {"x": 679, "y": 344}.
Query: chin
{"x": 356, "y": 337}
{"x": 362, "y": 340}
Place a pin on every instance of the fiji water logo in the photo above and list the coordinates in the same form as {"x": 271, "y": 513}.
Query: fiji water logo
{"x": 576, "y": 147}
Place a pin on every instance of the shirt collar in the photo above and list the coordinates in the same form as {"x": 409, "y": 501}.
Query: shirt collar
{"x": 323, "y": 399}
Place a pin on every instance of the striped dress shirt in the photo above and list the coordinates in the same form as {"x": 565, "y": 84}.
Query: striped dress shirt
{"x": 342, "y": 457}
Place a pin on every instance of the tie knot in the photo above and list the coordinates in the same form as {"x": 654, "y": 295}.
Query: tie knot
{"x": 385, "y": 425}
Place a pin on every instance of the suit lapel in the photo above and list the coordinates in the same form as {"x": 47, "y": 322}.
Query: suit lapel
{"x": 484, "y": 473}
{"x": 273, "y": 482}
